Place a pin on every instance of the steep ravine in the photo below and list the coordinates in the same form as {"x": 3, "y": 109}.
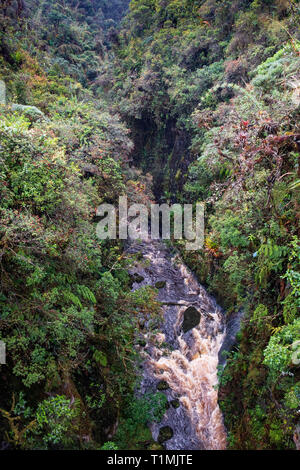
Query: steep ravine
{"x": 184, "y": 364}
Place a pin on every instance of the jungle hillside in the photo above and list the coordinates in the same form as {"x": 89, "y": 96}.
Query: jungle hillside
{"x": 162, "y": 101}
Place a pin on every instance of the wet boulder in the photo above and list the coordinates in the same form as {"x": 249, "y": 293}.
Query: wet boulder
{"x": 90, "y": 170}
{"x": 165, "y": 434}
{"x": 175, "y": 403}
{"x": 191, "y": 319}
{"x": 141, "y": 342}
{"x": 136, "y": 278}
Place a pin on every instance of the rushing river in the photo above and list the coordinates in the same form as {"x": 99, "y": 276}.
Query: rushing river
{"x": 186, "y": 362}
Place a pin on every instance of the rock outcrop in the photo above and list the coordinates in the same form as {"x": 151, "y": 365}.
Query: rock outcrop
{"x": 191, "y": 319}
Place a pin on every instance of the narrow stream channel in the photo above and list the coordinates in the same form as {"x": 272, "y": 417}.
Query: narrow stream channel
{"x": 185, "y": 363}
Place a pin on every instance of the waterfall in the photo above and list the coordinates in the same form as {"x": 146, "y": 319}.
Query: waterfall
{"x": 186, "y": 361}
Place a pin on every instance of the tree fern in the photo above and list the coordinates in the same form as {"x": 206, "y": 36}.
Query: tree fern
{"x": 69, "y": 296}
{"x": 271, "y": 258}
{"x": 86, "y": 293}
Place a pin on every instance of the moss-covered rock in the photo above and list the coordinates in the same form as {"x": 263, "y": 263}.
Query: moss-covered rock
{"x": 155, "y": 446}
{"x": 165, "y": 433}
{"x": 136, "y": 278}
{"x": 162, "y": 385}
{"x": 175, "y": 403}
{"x": 160, "y": 284}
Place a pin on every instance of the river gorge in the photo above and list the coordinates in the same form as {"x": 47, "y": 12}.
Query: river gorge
{"x": 182, "y": 357}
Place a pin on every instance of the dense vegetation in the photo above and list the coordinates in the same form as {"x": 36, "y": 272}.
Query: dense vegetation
{"x": 211, "y": 93}
{"x": 68, "y": 316}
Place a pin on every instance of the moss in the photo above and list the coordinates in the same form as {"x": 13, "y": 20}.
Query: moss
{"x": 162, "y": 385}
{"x": 165, "y": 433}
{"x": 160, "y": 284}
{"x": 137, "y": 278}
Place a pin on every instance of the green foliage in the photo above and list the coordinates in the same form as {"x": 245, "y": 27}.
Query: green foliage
{"x": 292, "y": 275}
{"x": 100, "y": 357}
{"x": 260, "y": 317}
{"x": 251, "y": 253}
{"x": 111, "y": 290}
{"x": 282, "y": 64}
{"x": 270, "y": 258}
{"x": 109, "y": 446}
{"x": 54, "y": 423}
{"x": 292, "y": 397}
{"x": 210, "y": 91}
{"x": 282, "y": 348}
{"x": 230, "y": 232}
{"x": 139, "y": 413}
{"x": 61, "y": 284}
